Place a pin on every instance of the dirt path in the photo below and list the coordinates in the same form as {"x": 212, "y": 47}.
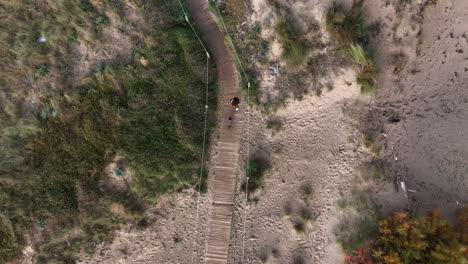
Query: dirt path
{"x": 223, "y": 181}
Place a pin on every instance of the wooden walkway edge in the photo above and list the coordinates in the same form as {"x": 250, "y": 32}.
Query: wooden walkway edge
{"x": 223, "y": 181}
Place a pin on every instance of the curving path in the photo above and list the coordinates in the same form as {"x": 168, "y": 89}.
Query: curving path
{"x": 223, "y": 182}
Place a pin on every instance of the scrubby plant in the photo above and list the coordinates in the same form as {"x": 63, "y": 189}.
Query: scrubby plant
{"x": 8, "y": 241}
{"x": 399, "y": 61}
{"x": 119, "y": 171}
{"x": 274, "y": 124}
{"x": 347, "y": 27}
{"x": 73, "y": 37}
{"x": 256, "y": 167}
{"x": 287, "y": 207}
{"x": 295, "y": 44}
{"x": 47, "y": 113}
{"x": 298, "y": 259}
{"x": 353, "y": 35}
{"x": 42, "y": 70}
{"x": 405, "y": 240}
{"x": 41, "y": 224}
{"x": 306, "y": 191}
{"x": 101, "y": 20}
{"x": 299, "y": 225}
{"x": 306, "y": 214}
{"x": 428, "y": 239}
{"x": 462, "y": 228}
{"x": 366, "y": 68}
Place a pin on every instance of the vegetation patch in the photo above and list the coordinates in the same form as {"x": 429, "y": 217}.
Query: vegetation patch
{"x": 352, "y": 34}
{"x": 299, "y": 225}
{"x": 373, "y": 170}
{"x": 53, "y": 158}
{"x": 275, "y": 124}
{"x": 401, "y": 239}
{"x": 256, "y": 168}
{"x": 306, "y": 192}
{"x": 8, "y": 243}
{"x": 295, "y": 44}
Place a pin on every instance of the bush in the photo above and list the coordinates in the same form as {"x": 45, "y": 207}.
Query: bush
{"x": 8, "y": 243}
{"x": 100, "y": 20}
{"x": 256, "y": 168}
{"x": 295, "y": 45}
{"x": 42, "y": 70}
{"x": 353, "y": 36}
{"x": 426, "y": 239}
{"x": 366, "y": 70}
{"x": 462, "y": 228}
{"x": 274, "y": 124}
{"x": 306, "y": 191}
{"x": 299, "y": 226}
{"x": 347, "y": 27}
{"x": 306, "y": 214}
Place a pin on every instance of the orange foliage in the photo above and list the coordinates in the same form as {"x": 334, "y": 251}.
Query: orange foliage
{"x": 405, "y": 240}
{"x": 361, "y": 256}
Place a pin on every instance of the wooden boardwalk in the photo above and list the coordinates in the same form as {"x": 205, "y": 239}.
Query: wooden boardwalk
{"x": 223, "y": 182}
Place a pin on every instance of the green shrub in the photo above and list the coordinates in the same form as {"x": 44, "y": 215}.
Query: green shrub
{"x": 352, "y": 233}
{"x": 352, "y": 33}
{"x": 73, "y": 37}
{"x": 274, "y": 124}
{"x": 306, "y": 191}
{"x": 8, "y": 242}
{"x": 295, "y": 44}
{"x": 299, "y": 226}
{"x": 306, "y": 214}
{"x": 119, "y": 171}
{"x": 42, "y": 70}
{"x": 100, "y": 20}
{"x": 256, "y": 168}
{"x": 347, "y": 27}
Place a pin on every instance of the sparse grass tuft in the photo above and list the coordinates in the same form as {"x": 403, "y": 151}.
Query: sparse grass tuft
{"x": 367, "y": 69}
{"x": 352, "y": 33}
{"x": 287, "y": 207}
{"x": 42, "y": 70}
{"x": 399, "y": 61}
{"x": 306, "y": 191}
{"x": 8, "y": 243}
{"x": 347, "y": 26}
{"x": 256, "y": 168}
{"x": 274, "y": 124}
{"x": 100, "y": 20}
{"x": 373, "y": 170}
{"x": 306, "y": 214}
{"x": 298, "y": 259}
{"x": 295, "y": 44}
{"x": 299, "y": 225}
{"x": 352, "y": 233}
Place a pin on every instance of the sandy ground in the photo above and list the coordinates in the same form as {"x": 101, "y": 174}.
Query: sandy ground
{"x": 167, "y": 237}
{"x": 427, "y": 147}
{"x": 317, "y": 146}
{"x": 420, "y": 108}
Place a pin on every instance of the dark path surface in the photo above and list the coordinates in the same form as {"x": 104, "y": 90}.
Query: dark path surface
{"x": 222, "y": 184}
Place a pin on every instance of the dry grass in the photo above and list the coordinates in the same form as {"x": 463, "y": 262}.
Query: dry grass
{"x": 295, "y": 44}
{"x": 352, "y": 33}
